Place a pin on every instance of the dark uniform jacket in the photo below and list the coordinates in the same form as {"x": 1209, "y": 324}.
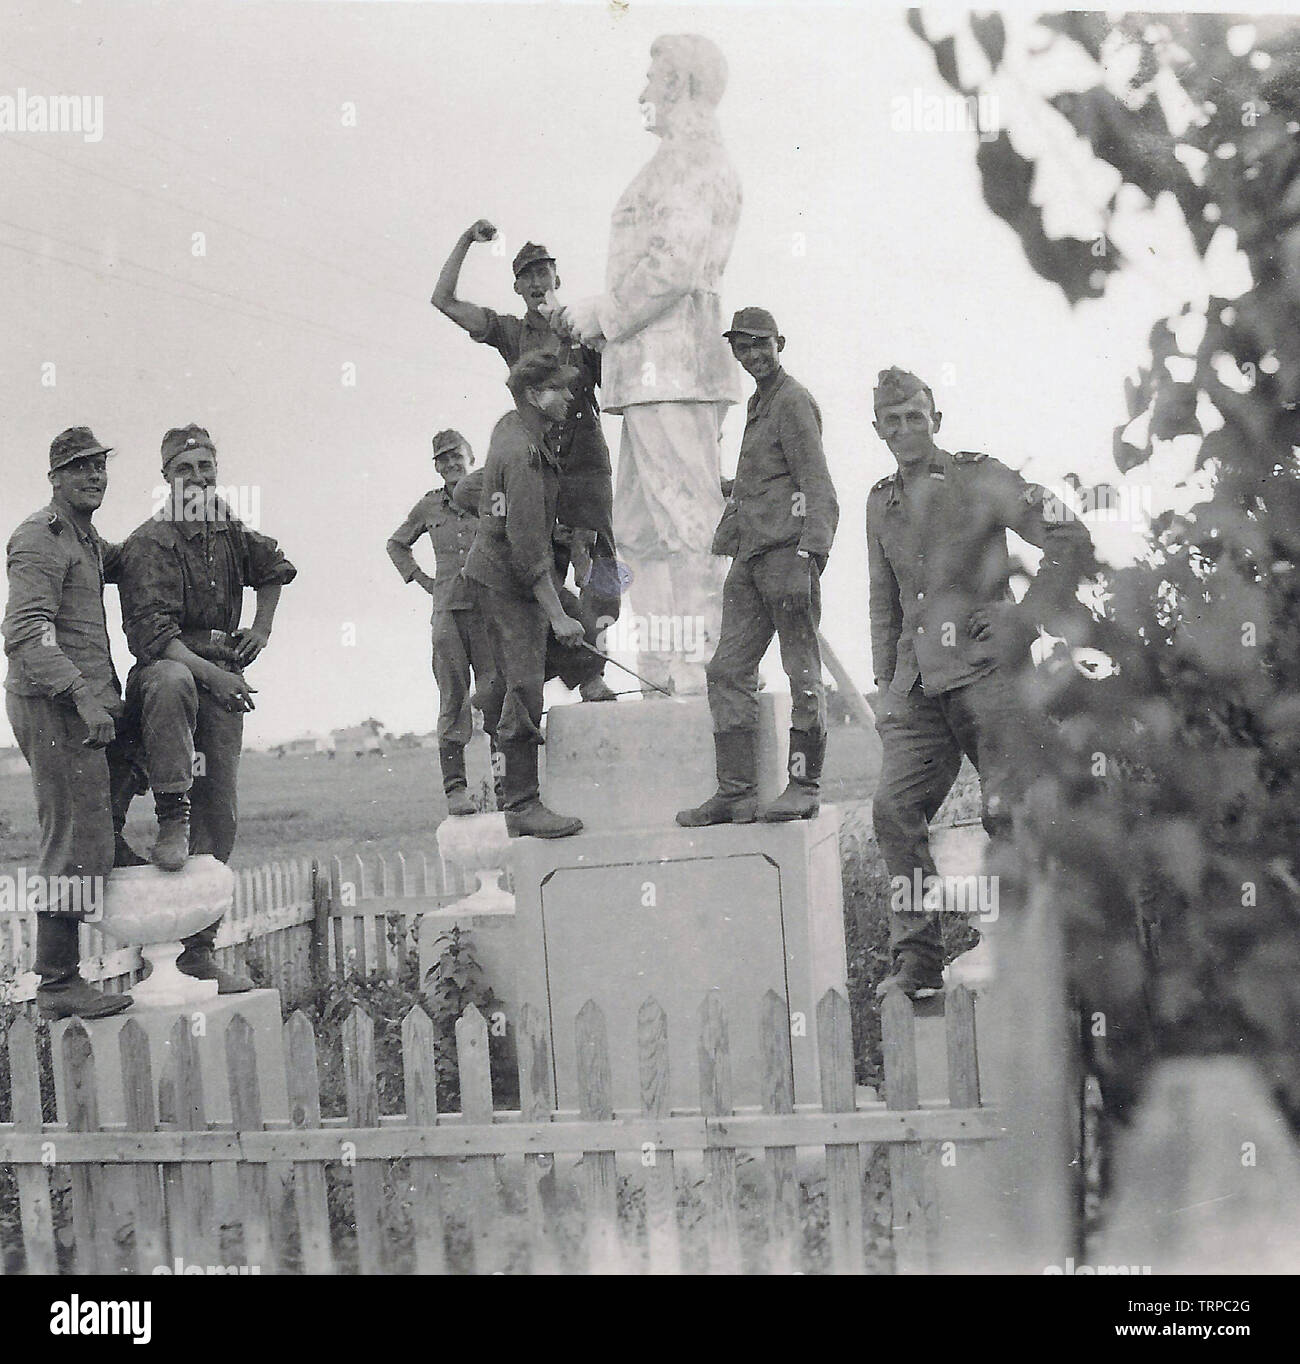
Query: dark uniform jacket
{"x": 188, "y": 578}
{"x": 782, "y": 493}
{"x": 933, "y": 561}
{"x": 451, "y": 529}
{"x": 521, "y": 480}
{"x": 54, "y": 627}
{"x": 586, "y": 490}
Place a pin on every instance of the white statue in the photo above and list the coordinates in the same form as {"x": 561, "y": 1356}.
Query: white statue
{"x": 666, "y": 367}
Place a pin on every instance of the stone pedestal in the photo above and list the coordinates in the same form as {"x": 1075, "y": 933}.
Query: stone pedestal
{"x": 633, "y": 765}
{"x": 676, "y": 914}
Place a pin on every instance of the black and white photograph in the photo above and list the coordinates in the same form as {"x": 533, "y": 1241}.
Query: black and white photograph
{"x": 648, "y": 639}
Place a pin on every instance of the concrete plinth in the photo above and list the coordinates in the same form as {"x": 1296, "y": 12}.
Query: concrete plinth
{"x": 676, "y": 914}
{"x": 634, "y": 764}
{"x": 208, "y": 1022}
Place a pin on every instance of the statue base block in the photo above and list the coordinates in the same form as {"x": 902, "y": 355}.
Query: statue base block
{"x": 678, "y": 914}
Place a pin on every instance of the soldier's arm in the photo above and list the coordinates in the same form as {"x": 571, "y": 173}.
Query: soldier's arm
{"x": 468, "y": 316}
{"x": 404, "y": 537}
{"x": 799, "y": 426}
{"x": 36, "y": 573}
{"x": 152, "y": 588}
{"x": 528, "y": 536}
{"x": 886, "y": 611}
{"x": 112, "y": 561}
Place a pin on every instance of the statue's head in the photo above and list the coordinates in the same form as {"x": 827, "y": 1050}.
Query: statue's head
{"x": 686, "y": 80}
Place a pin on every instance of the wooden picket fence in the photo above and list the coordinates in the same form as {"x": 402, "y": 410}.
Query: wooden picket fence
{"x": 478, "y": 1189}
{"x": 300, "y": 920}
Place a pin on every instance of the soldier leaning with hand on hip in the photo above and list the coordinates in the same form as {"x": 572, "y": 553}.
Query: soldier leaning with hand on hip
{"x": 460, "y": 639}
{"x": 946, "y": 638}
{"x": 184, "y": 572}
{"x": 63, "y": 700}
{"x": 778, "y": 525}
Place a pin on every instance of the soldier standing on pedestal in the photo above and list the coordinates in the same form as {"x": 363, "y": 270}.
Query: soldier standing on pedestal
{"x": 778, "y": 525}
{"x": 63, "y": 700}
{"x": 460, "y": 640}
{"x": 945, "y": 635}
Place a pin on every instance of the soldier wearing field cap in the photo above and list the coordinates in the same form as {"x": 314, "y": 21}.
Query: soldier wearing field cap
{"x": 777, "y": 526}
{"x": 460, "y": 640}
{"x": 64, "y": 704}
{"x": 586, "y": 497}
{"x": 946, "y": 638}
{"x": 511, "y": 566}
{"x": 184, "y": 572}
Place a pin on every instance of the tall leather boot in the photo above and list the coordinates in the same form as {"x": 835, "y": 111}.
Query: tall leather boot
{"x": 735, "y": 801}
{"x": 62, "y": 992}
{"x": 123, "y": 786}
{"x": 801, "y": 798}
{"x": 172, "y": 845}
{"x": 526, "y": 816}
{"x": 451, "y": 758}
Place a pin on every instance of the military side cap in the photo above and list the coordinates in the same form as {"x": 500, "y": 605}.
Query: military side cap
{"x": 894, "y": 385}
{"x": 529, "y": 253}
{"x": 182, "y": 439}
{"x": 753, "y": 322}
{"x": 75, "y": 443}
{"x": 448, "y": 442}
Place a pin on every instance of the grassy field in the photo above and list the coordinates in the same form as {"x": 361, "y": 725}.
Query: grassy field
{"x": 312, "y": 806}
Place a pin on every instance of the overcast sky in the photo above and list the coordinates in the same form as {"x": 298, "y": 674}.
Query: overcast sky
{"x": 330, "y": 154}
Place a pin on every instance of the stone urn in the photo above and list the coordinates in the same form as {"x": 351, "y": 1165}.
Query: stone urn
{"x": 478, "y": 844}
{"x": 154, "y": 910}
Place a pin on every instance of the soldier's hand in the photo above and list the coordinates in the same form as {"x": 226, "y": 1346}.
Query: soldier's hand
{"x": 249, "y": 643}
{"x": 482, "y": 231}
{"x": 796, "y": 589}
{"x": 425, "y": 582}
{"x": 988, "y": 622}
{"x": 229, "y": 690}
{"x": 100, "y": 727}
{"x": 567, "y": 630}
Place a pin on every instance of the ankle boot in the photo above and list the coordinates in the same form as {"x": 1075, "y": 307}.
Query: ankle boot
{"x": 451, "y": 758}
{"x": 526, "y": 816}
{"x": 801, "y": 798}
{"x": 735, "y": 801}
{"x": 172, "y": 845}
{"x": 62, "y": 992}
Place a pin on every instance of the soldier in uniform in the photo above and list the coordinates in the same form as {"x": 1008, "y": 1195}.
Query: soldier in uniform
{"x": 777, "y": 525}
{"x": 64, "y": 702}
{"x": 184, "y": 572}
{"x": 946, "y": 638}
{"x": 586, "y": 499}
{"x": 511, "y": 566}
{"x": 460, "y": 641}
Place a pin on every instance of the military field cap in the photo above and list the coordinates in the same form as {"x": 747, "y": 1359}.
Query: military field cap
{"x": 894, "y": 385}
{"x": 75, "y": 443}
{"x": 449, "y": 441}
{"x": 182, "y": 439}
{"x": 753, "y": 322}
{"x": 539, "y": 369}
{"x": 529, "y": 253}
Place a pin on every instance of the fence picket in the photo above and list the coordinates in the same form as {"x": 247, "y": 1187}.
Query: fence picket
{"x": 907, "y": 1179}
{"x": 33, "y": 1180}
{"x": 475, "y": 1071}
{"x": 663, "y": 1247}
{"x": 599, "y": 1168}
{"x": 843, "y": 1163}
{"x": 198, "y": 1241}
{"x": 146, "y": 1180}
{"x": 719, "y": 1162}
{"x": 420, "y": 1076}
{"x": 536, "y": 1104}
{"x": 778, "y": 1097}
{"x": 90, "y": 1204}
{"x": 363, "y": 1111}
{"x": 308, "y": 1175}
{"x": 256, "y": 1196}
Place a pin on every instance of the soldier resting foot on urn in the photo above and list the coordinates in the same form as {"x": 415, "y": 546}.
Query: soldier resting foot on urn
{"x": 64, "y": 703}
{"x": 460, "y": 638}
{"x": 778, "y": 525}
{"x": 511, "y": 566}
{"x": 946, "y": 639}
{"x": 184, "y": 572}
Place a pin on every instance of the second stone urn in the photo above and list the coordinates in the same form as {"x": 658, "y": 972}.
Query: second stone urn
{"x": 155, "y": 909}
